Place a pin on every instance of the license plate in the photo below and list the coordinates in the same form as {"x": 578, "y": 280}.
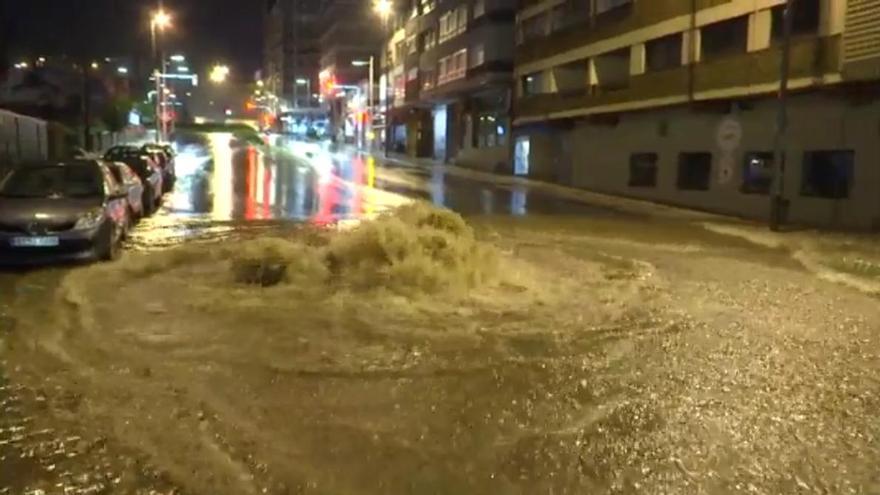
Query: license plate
{"x": 35, "y": 241}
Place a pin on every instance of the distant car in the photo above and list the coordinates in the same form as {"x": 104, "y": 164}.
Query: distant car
{"x": 149, "y": 173}
{"x": 134, "y": 187}
{"x": 61, "y": 211}
{"x": 164, "y": 155}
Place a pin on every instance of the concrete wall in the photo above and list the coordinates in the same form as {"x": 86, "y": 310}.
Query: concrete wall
{"x": 22, "y": 138}
{"x": 601, "y": 156}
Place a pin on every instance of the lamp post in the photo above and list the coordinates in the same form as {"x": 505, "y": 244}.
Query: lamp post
{"x": 383, "y": 8}
{"x": 159, "y": 22}
{"x": 361, "y": 63}
{"x": 302, "y": 81}
{"x": 777, "y": 193}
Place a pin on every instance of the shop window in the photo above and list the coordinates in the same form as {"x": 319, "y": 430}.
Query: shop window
{"x": 757, "y": 172}
{"x": 412, "y": 74}
{"x": 694, "y": 171}
{"x": 643, "y": 170}
{"x": 663, "y": 53}
{"x": 804, "y": 22}
{"x": 724, "y": 38}
{"x": 491, "y": 130}
{"x": 827, "y": 174}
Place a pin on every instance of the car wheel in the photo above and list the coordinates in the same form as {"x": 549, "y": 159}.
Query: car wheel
{"x": 149, "y": 203}
{"x": 111, "y": 245}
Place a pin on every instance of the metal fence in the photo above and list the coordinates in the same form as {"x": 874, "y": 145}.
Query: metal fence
{"x": 22, "y": 139}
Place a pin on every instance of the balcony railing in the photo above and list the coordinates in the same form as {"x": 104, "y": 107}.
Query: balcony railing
{"x": 810, "y": 57}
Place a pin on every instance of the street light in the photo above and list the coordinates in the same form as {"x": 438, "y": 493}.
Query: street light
{"x": 218, "y": 74}
{"x": 384, "y": 8}
{"x": 159, "y": 21}
{"x": 370, "y": 63}
{"x": 301, "y": 81}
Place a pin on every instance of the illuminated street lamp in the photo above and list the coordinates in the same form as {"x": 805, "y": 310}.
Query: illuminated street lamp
{"x": 159, "y": 21}
{"x": 384, "y": 8}
{"x": 218, "y": 74}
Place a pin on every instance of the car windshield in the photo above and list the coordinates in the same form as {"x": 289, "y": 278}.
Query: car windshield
{"x": 72, "y": 181}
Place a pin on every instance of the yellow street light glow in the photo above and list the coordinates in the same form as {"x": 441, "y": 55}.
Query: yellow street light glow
{"x": 383, "y": 8}
{"x": 219, "y": 74}
{"x": 95, "y": 65}
{"x": 161, "y": 19}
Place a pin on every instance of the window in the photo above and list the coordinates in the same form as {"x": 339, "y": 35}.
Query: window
{"x": 643, "y": 170}
{"x": 453, "y": 23}
{"x": 827, "y": 174}
{"x": 412, "y": 46}
{"x": 491, "y": 131}
{"x": 478, "y": 55}
{"x": 412, "y": 74}
{"x": 427, "y": 79}
{"x": 428, "y": 5}
{"x": 757, "y": 172}
{"x": 804, "y": 22}
{"x": 533, "y": 28}
{"x": 603, "y": 6}
{"x": 694, "y": 171}
{"x": 724, "y": 38}
{"x": 452, "y": 67}
{"x": 533, "y": 84}
{"x": 479, "y": 8}
{"x": 571, "y": 78}
{"x": 568, "y": 14}
{"x": 612, "y": 69}
{"x": 429, "y": 39}
{"x": 663, "y": 53}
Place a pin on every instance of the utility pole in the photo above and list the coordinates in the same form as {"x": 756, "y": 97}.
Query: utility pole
{"x": 86, "y": 108}
{"x": 778, "y": 203}
{"x": 389, "y": 53}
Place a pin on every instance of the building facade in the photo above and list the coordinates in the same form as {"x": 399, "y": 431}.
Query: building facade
{"x": 675, "y": 101}
{"x": 452, "y": 66}
{"x": 292, "y": 50}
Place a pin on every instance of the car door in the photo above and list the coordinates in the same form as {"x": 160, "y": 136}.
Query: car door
{"x": 134, "y": 186}
{"x": 116, "y": 201}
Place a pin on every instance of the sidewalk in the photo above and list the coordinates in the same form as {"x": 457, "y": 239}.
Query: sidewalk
{"x": 852, "y": 259}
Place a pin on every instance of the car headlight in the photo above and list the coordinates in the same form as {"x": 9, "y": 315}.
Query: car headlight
{"x": 90, "y": 219}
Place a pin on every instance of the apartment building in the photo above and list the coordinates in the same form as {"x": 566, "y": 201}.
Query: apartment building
{"x": 675, "y": 101}
{"x": 292, "y": 50}
{"x": 451, "y": 66}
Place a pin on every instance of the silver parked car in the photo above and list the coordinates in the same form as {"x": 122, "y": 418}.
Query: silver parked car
{"x": 61, "y": 211}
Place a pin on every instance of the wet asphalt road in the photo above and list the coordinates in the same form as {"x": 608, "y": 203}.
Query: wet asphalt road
{"x": 710, "y": 365}
{"x": 224, "y": 188}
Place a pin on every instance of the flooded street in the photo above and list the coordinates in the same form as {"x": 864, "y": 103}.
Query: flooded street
{"x": 271, "y": 331}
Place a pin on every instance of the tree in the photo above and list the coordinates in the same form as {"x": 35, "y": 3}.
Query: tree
{"x": 115, "y": 114}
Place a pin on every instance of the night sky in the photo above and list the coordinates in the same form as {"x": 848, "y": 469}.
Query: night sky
{"x": 209, "y": 31}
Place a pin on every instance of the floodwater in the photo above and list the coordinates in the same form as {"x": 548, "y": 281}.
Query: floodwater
{"x": 621, "y": 354}
{"x": 225, "y": 185}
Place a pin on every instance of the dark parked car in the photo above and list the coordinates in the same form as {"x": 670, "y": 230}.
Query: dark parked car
{"x": 146, "y": 168}
{"x": 164, "y": 155}
{"x": 133, "y": 186}
{"x": 61, "y": 211}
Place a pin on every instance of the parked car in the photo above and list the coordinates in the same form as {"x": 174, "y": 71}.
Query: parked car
{"x": 61, "y": 211}
{"x": 133, "y": 186}
{"x": 164, "y": 155}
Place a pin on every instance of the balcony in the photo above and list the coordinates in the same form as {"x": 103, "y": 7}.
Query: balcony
{"x": 607, "y": 25}
{"x": 743, "y": 74}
